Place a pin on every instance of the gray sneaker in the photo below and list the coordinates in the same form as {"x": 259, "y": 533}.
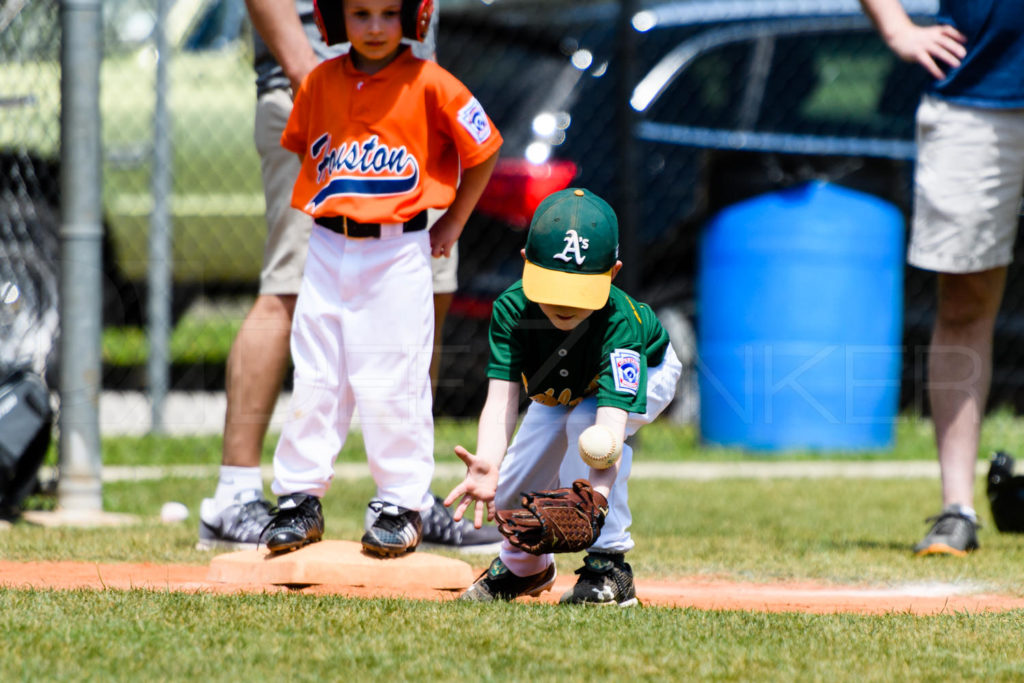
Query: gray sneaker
{"x": 497, "y": 582}
{"x": 953, "y": 533}
{"x": 604, "y": 579}
{"x": 441, "y": 531}
{"x": 238, "y": 526}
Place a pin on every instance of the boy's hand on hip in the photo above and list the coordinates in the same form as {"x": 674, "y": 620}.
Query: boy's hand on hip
{"x": 443, "y": 235}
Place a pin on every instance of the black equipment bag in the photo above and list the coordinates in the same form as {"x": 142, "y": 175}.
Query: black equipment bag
{"x": 1005, "y": 493}
{"x": 26, "y": 422}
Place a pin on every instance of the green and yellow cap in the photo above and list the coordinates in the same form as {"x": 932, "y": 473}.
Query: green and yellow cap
{"x": 571, "y": 249}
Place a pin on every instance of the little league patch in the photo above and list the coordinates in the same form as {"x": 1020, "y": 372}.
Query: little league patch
{"x": 626, "y": 370}
{"x": 473, "y": 119}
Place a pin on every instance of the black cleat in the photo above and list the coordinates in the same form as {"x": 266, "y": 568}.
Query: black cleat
{"x": 604, "y": 579}
{"x": 396, "y": 531}
{"x": 298, "y": 520}
{"x": 497, "y": 582}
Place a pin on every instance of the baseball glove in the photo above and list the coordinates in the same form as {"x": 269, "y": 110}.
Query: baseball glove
{"x": 555, "y": 521}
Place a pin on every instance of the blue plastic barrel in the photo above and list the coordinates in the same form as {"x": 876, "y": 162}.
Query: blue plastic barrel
{"x": 800, "y": 302}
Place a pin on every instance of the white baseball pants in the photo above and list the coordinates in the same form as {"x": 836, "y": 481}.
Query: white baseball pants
{"x": 362, "y": 337}
{"x": 545, "y": 454}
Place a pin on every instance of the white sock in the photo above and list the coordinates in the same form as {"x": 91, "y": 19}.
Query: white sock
{"x": 232, "y": 481}
{"x": 968, "y": 512}
{"x": 521, "y": 563}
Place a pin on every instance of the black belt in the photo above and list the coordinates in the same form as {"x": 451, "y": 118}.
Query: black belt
{"x": 350, "y": 228}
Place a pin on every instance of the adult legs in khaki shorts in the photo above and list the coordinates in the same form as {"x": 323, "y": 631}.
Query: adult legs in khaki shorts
{"x": 260, "y": 353}
{"x": 969, "y": 180}
{"x": 445, "y": 271}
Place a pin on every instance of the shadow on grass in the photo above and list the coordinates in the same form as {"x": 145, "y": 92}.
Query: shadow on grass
{"x": 864, "y": 544}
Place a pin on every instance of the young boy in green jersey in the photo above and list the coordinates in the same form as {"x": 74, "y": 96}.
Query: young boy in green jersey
{"x": 587, "y": 353}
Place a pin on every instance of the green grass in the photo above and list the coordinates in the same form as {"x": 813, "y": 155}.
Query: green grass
{"x": 192, "y": 341}
{"x": 835, "y": 531}
{"x": 659, "y": 442}
{"x": 841, "y": 531}
{"x": 165, "y": 636}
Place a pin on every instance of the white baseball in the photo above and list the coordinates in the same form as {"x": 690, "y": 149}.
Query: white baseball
{"x": 598, "y": 447}
{"x": 172, "y": 512}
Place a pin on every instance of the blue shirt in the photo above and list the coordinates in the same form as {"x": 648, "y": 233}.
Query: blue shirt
{"x": 992, "y": 73}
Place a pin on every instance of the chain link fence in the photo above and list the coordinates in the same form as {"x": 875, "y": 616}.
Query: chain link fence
{"x": 731, "y": 99}
{"x": 29, "y": 216}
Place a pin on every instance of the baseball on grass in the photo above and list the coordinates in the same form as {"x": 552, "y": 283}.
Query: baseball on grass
{"x": 173, "y": 511}
{"x": 598, "y": 447}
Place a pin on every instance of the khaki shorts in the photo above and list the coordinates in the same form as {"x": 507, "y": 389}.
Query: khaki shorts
{"x": 444, "y": 269}
{"x": 284, "y": 253}
{"x": 968, "y": 185}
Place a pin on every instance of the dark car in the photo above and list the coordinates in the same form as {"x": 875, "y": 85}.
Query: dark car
{"x": 730, "y": 100}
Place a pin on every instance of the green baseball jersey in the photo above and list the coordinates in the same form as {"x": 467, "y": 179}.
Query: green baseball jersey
{"x": 607, "y": 354}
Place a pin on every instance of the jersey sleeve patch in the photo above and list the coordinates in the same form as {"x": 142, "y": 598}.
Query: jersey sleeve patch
{"x": 474, "y": 120}
{"x": 626, "y": 370}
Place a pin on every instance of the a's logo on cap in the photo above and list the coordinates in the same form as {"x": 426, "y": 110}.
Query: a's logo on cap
{"x": 571, "y": 251}
{"x": 574, "y": 246}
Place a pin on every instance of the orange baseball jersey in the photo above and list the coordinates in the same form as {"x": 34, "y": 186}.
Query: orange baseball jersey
{"x": 382, "y": 148}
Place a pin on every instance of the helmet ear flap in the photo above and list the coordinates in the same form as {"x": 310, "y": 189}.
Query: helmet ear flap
{"x": 416, "y": 18}
{"x": 329, "y": 16}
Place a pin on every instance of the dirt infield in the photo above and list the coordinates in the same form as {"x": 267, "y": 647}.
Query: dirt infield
{"x": 696, "y": 592}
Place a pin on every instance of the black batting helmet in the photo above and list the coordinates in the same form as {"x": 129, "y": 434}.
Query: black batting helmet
{"x": 1005, "y": 494}
{"x": 330, "y": 19}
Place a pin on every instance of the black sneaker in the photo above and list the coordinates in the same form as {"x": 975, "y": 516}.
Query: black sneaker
{"x": 398, "y": 530}
{"x": 497, "y": 582}
{"x": 953, "y": 533}
{"x": 298, "y": 520}
{"x": 604, "y": 579}
{"x": 440, "y": 530}
{"x": 236, "y": 527}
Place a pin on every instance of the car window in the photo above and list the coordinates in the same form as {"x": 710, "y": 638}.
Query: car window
{"x": 709, "y": 93}
{"x": 833, "y": 85}
{"x": 845, "y": 85}
{"x": 221, "y": 23}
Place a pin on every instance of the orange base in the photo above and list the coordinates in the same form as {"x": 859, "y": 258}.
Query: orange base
{"x": 341, "y": 563}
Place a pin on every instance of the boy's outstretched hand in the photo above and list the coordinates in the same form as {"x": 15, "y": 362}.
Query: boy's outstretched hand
{"x": 480, "y": 485}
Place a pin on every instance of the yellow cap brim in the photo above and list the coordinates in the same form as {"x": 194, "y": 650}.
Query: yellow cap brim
{"x": 558, "y": 288}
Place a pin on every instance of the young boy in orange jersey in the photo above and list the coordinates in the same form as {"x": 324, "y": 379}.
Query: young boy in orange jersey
{"x": 382, "y": 136}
